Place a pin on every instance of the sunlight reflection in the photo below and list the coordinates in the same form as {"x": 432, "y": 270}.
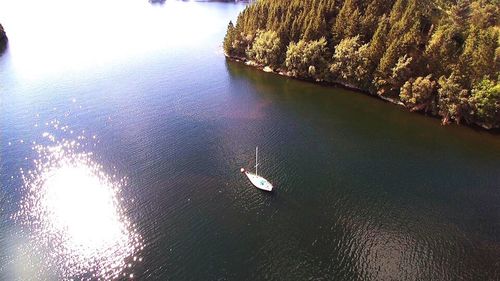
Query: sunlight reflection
{"x": 94, "y": 34}
{"x": 72, "y": 211}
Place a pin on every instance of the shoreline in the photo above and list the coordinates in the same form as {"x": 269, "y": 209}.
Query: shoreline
{"x": 255, "y": 65}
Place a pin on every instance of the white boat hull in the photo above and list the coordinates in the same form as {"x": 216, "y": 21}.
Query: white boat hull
{"x": 259, "y": 182}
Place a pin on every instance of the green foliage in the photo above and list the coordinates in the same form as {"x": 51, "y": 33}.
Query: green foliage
{"x": 374, "y": 16}
{"x": 453, "y": 99}
{"x": 378, "y": 45}
{"x": 307, "y": 58}
{"x": 485, "y": 102}
{"x": 294, "y": 58}
{"x": 479, "y": 54}
{"x": 419, "y": 94}
{"x": 389, "y": 82}
{"x": 402, "y": 68}
{"x": 229, "y": 39}
{"x": 350, "y": 61}
{"x": 378, "y": 42}
{"x": 484, "y": 14}
{"x": 443, "y": 48}
{"x": 266, "y": 48}
{"x": 347, "y": 21}
{"x": 460, "y": 12}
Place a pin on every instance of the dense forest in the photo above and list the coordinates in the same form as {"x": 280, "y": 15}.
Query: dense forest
{"x": 440, "y": 57}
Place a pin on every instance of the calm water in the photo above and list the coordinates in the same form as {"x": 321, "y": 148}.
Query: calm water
{"x": 123, "y": 129}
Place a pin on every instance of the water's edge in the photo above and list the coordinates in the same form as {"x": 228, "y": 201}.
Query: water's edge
{"x": 251, "y": 63}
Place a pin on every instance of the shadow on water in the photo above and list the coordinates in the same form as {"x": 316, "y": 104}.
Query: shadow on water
{"x": 240, "y": 70}
{"x": 358, "y": 110}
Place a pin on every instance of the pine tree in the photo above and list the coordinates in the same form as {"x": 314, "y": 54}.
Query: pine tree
{"x": 229, "y": 39}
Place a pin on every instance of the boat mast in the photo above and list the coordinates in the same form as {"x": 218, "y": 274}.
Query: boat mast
{"x": 256, "y": 163}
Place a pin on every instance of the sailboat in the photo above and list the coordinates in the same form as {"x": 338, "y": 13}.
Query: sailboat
{"x": 255, "y": 179}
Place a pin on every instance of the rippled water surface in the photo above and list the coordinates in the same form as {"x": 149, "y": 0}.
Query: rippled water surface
{"x": 123, "y": 129}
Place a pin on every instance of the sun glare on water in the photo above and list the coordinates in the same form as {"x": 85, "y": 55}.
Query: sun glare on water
{"x": 74, "y": 217}
{"x": 86, "y": 36}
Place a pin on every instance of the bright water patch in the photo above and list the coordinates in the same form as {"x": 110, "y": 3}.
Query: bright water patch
{"x": 73, "y": 216}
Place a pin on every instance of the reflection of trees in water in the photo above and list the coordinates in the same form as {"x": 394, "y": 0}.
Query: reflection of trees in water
{"x": 275, "y": 86}
{"x": 264, "y": 82}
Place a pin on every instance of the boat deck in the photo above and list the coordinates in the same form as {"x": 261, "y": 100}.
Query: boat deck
{"x": 259, "y": 182}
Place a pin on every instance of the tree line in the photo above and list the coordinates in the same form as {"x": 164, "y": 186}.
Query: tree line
{"x": 440, "y": 57}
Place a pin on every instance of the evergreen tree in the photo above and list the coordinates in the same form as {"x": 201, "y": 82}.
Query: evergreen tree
{"x": 307, "y": 59}
{"x": 350, "y": 61}
{"x": 419, "y": 94}
{"x": 453, "y": 101}
{"x": 266, "y": 48}
{"x": 229, "y": 39}
{"x": 485, "y": 102}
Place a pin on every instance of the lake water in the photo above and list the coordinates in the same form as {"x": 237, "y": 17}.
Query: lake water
{"x": 123, "y": 129}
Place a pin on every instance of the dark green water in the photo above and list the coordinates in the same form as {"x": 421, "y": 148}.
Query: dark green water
{"x": 363, "y": 189}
